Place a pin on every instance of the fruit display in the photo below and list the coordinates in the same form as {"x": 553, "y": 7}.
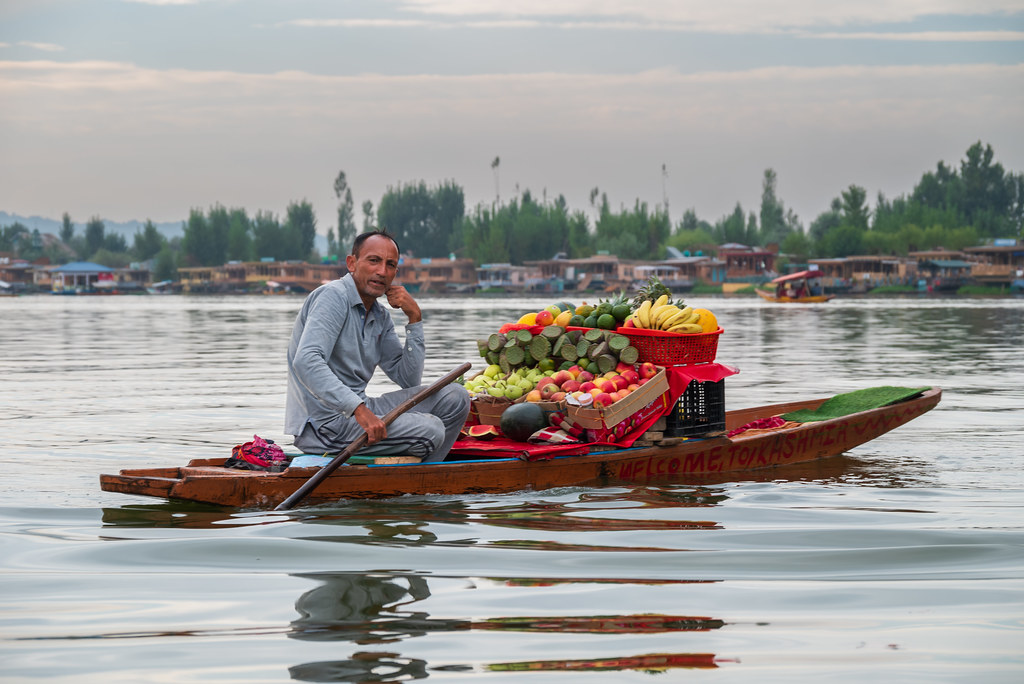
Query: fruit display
{"x": 523, "y": 357}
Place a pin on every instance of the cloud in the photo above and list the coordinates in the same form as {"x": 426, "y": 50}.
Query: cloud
{"x": 925, "y": 36}
{"x": 724, "y": 16}
{"x": 800, "y": 17}
{"x": 166, "y": 2}
{"x": 46, "y": 47}
{"x": 661, "y": 26}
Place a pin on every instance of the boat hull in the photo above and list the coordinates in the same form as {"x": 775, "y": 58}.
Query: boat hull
{"x": 811, "y": 299}
{"x": 206, "y": 481}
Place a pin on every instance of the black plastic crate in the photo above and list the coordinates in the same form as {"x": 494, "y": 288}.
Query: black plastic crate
{"x": 700, "y": 410}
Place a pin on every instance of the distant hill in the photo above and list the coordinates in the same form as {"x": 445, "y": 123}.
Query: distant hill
{"x": 128, "y": 229}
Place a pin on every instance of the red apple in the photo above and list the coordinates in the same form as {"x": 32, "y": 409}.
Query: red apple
{"x": 562, "y": 376}
{"x": 603, "y": 400}
{"x": 621, "y": 394}
{"x": 622, "y": 367}
{"x": 544, "y": 317}
{"x": 633, "y": 387}
{"x": 587, "y": 386}
{"x": 631, "y": 376}
{"x": 648, "y": 370}
{"x": 620, "y": 382}
{"x": 557, "y": 396}
{"x": 604, "y": 384}
{"x": 585, "y": 376}
{"x": 546, "y": 380}
{"x": 571, "y": 385}
{"x": 575, "y": 370}
{"x": 548, "y": 390}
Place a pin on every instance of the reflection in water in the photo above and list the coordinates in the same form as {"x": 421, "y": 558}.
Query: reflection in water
{"x": 379, "y": 608}
{"x": 362, "y": 667}
{"x": 651, "y": 663}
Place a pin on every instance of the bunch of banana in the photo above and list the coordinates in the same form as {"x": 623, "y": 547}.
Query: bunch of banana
{"x": 663, "y": 315}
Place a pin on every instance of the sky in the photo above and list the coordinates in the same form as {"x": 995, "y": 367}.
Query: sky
{"x": 146, "y": 109}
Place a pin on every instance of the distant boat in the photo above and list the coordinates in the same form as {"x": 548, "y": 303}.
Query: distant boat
{"x": 804, "y": 287}
{"x": 161, "y": 288}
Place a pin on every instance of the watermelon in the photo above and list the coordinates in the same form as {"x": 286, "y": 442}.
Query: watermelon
{"x": 519, "y": 421}
{"x": 482, "y": 431}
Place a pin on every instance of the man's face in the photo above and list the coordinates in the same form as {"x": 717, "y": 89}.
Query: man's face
{"x": 374, "y": 267}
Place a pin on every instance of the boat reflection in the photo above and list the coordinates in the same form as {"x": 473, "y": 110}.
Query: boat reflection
{"x": 650, "y": 663}
{"x": 380, "y": 609}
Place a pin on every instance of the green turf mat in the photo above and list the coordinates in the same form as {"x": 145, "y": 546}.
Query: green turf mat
{"x": 852, "y": 402}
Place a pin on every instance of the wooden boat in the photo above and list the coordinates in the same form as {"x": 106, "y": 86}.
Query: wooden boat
{"x": 803, "y": 287}
{"x": 207, "y": 481}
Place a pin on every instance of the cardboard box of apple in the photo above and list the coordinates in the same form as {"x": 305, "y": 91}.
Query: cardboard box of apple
{"x": 579, "y": 387}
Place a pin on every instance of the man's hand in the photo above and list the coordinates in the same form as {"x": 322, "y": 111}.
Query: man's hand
{"x": 375, "y": 428}
{"x": 399, "y": 298}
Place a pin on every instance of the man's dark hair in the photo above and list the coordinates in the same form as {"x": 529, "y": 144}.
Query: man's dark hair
{"x": 357, "y": 244}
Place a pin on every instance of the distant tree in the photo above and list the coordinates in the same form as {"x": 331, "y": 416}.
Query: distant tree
{"x": 111, "y": 258}
{"x": 753, "y": 236}
{"x": 826, "y": 222}
{"x": 987, "y": 192}
{"x": 198, "y": 243}
{"x": 11, "y": 237}
{"x": 424, "y": 220}
{"x": 115, "y": 243}
{"x": 239, "y": 236}
{"x": 346, "y": 215}
{"x": 797, "y": 246}
{"x": 269, "y": 238}
{"x": 843, "y": 241}
{"x": 94, "y": 235}
{"x": 774, "y": 226}
{"x": 632, "y": 234}
{"x": 218, "y": 222}
{"x": 165, "y": 265}
{"x": 300, "y": 226}
{"x": 332, "y": 245}
{"x": 691, "y": 239}
{"x": 67, "y": 229}
{"x": 148, "y": 242}
{"x": 524, "y": 230}
{"x": 855, "y": 209}
{"x": 368, "y": 222}
{"x": 731, "y": 228}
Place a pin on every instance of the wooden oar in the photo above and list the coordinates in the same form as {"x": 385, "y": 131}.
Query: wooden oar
{"x": 360, "y": 441}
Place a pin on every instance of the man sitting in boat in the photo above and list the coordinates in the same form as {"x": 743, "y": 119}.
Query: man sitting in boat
{"x": 341, "y": 335}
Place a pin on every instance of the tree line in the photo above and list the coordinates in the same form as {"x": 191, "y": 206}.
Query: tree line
{"x": 952, "y": 207}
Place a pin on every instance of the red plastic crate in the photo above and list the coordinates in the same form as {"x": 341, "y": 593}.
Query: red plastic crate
{"x": 673, "y": 349}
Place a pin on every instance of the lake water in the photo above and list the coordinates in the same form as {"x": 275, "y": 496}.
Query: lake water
{"x": 902, "y": 561}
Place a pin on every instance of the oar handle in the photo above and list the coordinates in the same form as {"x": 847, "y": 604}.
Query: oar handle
{"x": 360, "y": 441}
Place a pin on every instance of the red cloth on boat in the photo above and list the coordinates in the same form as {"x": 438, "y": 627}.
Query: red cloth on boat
{"x": 759, "y": 424}
{"x": 503, "y": 447}
{"x": 679, "y": 377}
